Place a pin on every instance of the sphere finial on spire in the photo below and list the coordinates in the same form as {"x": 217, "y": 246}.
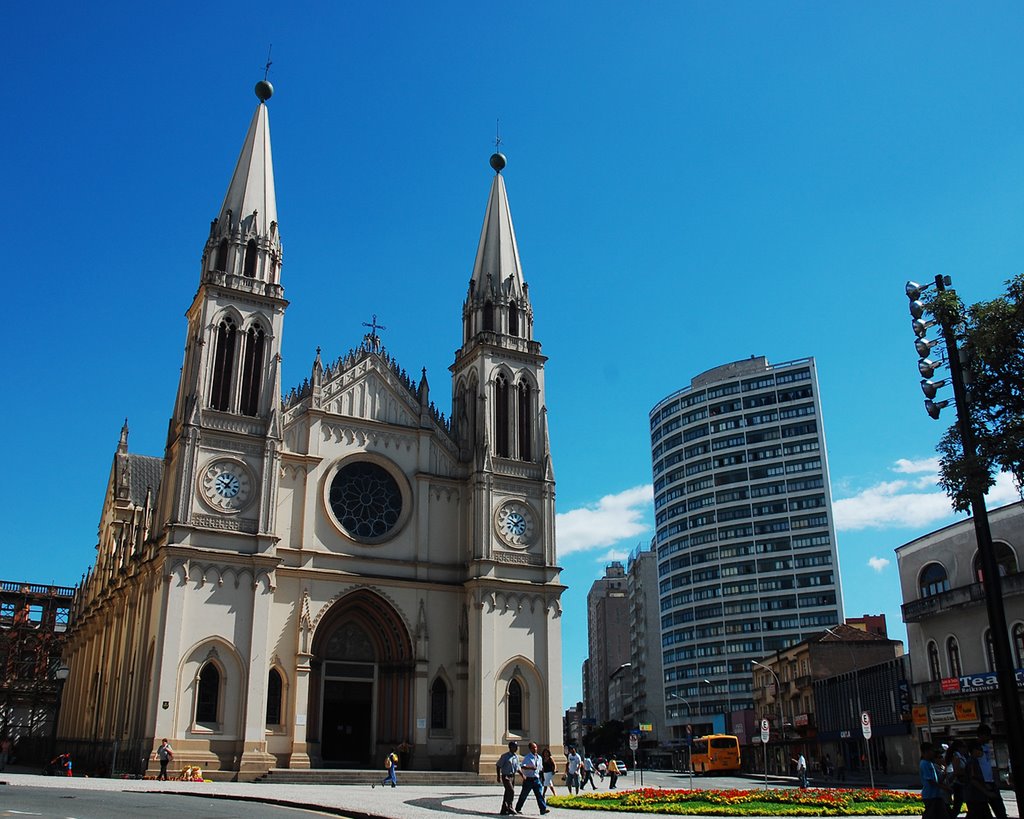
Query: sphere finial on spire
{"x": 498, "y": 161}
{"x": 264, "y": 90}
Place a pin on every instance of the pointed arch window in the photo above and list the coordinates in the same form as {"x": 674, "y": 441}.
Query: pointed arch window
{"x": 223, "y": 362}
{"x": 221, "y": 260}
{"x": 934, "y": 672}
{"x": 501, "y": 396}
{"x": 488, "y": 317}
{"x": 514, "y": 706}
{"x": 252, "y": 370}
{"x": 208, "y": 695}
{"x": 251, "y": 253}
{"x": 438, "y": 705}
{"x": 525, "y": 412}
{"x": 275, "y": 688}
{"x": 513, "y": 319}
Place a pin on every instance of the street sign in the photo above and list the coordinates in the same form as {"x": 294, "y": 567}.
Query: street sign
{"x": 865, "y": 724}
{"x": 689, "y": 729}
{"x": 764, "y": 730}
{"x": 634, "y": 742}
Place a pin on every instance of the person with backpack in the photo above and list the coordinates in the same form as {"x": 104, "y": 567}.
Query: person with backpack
{"x": 391, "y": 766}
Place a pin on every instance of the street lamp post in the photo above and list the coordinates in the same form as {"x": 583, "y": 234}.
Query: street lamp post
{"x": 689, "y": 713}
{"x": 991, "y": 583}
{"x": 860, "y": 709}
{"x": 778, "y": 700}
{"x": 60, "y": 674}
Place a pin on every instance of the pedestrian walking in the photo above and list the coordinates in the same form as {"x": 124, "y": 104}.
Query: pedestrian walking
{"x": 613, "y": 773}
{"x": 977, "y": 794}
{"x": 548, "y": 770}
{"x": 588, "y": 774}
{"x": 801, "y": 769}
{"x": 530, "y": 770}
{"x": 990, "y": 771}
{"x": 391, "y": 766}
{"x": 931, "y": 785}
{"x": 5, "y": 751}
{"x": 573, "y": 765}
{"x": 165, "y": 754}
{"x": 955, "y": 769}
{"x": 508, "y": 767}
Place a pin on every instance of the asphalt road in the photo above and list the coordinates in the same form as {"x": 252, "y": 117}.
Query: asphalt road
{"x": 53, "y": 803}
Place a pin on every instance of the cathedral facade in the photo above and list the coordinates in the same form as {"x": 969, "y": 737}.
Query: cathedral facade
{"x": 318, "y": 577}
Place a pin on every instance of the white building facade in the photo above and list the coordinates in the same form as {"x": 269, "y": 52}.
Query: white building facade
{"x": 747, "y": 557}
{"x": 948, "y": 634}
{"x": 319, "y": 578}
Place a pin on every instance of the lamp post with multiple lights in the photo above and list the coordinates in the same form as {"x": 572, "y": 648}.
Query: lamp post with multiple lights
{"x": 976, "y": 469}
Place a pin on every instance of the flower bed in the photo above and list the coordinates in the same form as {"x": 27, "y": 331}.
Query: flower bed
{"x": 782, "y": 802}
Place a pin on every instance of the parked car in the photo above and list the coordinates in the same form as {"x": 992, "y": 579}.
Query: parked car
{"x": 623, "y": 770}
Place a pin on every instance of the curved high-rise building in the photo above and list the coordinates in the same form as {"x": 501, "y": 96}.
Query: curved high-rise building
{"x": 747, "y": 559}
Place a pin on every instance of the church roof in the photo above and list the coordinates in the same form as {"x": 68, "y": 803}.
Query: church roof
{"x": 252, "y": 185}
{"x": 144, "y": 472}
{"x": 497, "y": 254}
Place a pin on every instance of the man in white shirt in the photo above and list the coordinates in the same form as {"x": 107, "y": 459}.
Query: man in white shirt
{"x": 990, "y": 772}
{"x": 530, "y": 769}
{"x": 573, "y": 762}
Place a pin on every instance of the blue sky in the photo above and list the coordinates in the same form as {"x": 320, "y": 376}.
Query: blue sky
{"x": 691, "y": 183}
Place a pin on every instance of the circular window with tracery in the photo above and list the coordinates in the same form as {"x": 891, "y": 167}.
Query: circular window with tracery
{"x": 366, "y": 500}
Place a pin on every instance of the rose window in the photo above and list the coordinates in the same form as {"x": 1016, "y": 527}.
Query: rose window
{"x": 366, "y": 500}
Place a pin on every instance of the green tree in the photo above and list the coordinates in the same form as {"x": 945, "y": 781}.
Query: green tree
{"x": 991, "y": 335}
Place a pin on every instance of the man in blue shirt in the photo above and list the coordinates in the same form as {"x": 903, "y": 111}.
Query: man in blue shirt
{"x": 530, "y": 769}
{"x": 508, "y": 767}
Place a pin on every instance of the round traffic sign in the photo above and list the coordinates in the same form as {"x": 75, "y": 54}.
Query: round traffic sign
{"x": 865, "y": 724}
{"x": 765, "y": 732}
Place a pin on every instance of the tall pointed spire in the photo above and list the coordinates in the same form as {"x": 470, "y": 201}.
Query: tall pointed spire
{"x": 499, "y": 298}
{"x": 244, "y": 238}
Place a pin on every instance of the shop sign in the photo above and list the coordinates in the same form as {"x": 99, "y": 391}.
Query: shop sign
{"x": 919, "y": 714}
{"x": 800, "y": 720}
{"x": 942, "y": 713}
{"x": 986, "y": 681}
{"x": 950, "y": 685}
{"x": 966, "y": 710}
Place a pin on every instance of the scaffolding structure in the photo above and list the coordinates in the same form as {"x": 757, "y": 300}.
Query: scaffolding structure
{"x": 33, "y": 622}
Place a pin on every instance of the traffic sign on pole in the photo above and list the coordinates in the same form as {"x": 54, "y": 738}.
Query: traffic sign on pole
{"x": 765, "y": 732}
{"x": 634, "y": 742}
{"x": 865, "y": 724}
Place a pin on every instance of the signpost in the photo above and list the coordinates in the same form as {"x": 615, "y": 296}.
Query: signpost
{"x": 765, "y": 734}
{"x": 865, "y": 728}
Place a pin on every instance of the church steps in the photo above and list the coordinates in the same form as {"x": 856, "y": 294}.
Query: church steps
{"x": 327, "y": 776}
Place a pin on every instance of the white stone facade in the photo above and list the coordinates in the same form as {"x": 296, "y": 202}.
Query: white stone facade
{"x": 319, "y": 579}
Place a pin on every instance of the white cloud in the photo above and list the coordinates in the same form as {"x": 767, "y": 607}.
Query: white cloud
{"x": 614, "y": 554}
{"x": 878, "y": 563}
{"x": 605, "y": 523}
{"x": 916, "y": 502}
{"x": 909, "y": 467}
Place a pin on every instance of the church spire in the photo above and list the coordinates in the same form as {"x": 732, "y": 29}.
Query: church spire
{"x": 499, "y": 298}
{"x": 244, "y": 239}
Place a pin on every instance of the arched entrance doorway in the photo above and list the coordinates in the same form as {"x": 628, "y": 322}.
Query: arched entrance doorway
{"x": 362, "y": 674}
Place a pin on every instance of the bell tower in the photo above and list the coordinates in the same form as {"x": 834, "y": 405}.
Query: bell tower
{"x": 224, "y": 436}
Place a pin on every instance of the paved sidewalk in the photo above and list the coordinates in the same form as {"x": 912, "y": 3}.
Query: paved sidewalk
{"x": 357, "y": 801}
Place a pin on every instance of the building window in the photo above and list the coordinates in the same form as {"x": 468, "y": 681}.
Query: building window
{"x": 274, "y": 690}
{"x": 1006, "y": 561}
{"x": 249, "y": 267}
{"x": 525, "y": 421}
{"x": 953, "y": 653}
{"x": 252, "y": 370}
{"x": 934, "y": 672}
{"x": 514, "y": 705}
{"x": 933, "y": 580}
{"x": 439, "y": 705}
{"x": 488, "y": 317}
{"x": 513, "y": 319}
{"x": 501, "y": 436}
{"x": 223, "y": 361}
{"x": 1018, "y": 645}
{"x": 208, "y": 695}
{"x": 221, "y": 260}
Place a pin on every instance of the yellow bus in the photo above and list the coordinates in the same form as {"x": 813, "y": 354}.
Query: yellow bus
{"x": 715, "y": 752}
